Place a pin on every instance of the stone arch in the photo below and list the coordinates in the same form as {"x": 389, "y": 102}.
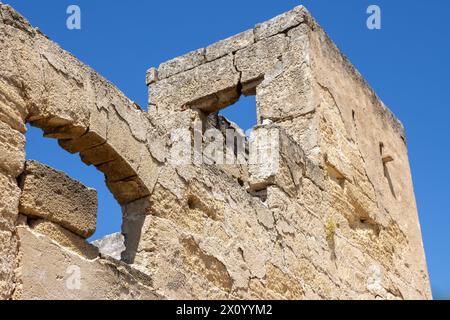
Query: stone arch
{"x": 121, "y": 177}
{"x": 99, "y": 130}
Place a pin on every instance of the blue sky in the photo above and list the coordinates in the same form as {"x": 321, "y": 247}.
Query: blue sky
{"x": 407, "y": 62}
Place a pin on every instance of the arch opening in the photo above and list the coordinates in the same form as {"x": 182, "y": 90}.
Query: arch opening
{"x": 48, "y": 152}
{"x": 120, "y": 187}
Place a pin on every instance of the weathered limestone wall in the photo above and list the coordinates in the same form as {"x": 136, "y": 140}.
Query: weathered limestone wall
{"x": 336, "y": 220}
{"x": 340, "y": 211}
{"x": 54, "y": 259}
{"x": 43, "y": 85}
{"x": 364, "y": 144}
{"x": 49, "y": 270}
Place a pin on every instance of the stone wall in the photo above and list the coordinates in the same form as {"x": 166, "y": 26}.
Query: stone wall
{"x": 54, "y": 259}
{"x": 336, "y": 219}
{"x": 48, "y": 270}
{"x": 45, "y": 86}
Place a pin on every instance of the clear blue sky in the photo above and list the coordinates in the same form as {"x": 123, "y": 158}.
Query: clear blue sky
{"x": 407, "y": 63}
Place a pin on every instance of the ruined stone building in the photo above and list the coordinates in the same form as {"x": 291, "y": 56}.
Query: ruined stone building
{"x": 335, "y": 219}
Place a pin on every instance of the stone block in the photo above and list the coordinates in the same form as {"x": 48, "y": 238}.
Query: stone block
{"x": 122, "y": 140}
{"x": 99, "y": 155}
{"x": 261, "y": 57}
{"x": 287, "y": 92}
{"x": 197, "y": 87}
{"x": 281, "y": 23}
{"x": 52, "y": 195}
{"x": 65, "y": 238}
{"x": 12, "y": 107}
{"x": 182, "y": 63}
{"x": 230, "y": 45}
{"x": 264, "y": 161}
{"x": 64, "y": 132}
{"x": 128, "y": 190}
{"x": 85, "y": 142}
{"x": 12, "y": 151}
{"x": 9, "y": 202}
{"x": 117, "y": 170}
{"x": 152, "y": 76}
{"x": 20, "y": 85}
{"x": 8, "y": 250}
{"x": 67, "y": 85}
{"x": 280, "y": 160}
{"x": 305, "y": 131}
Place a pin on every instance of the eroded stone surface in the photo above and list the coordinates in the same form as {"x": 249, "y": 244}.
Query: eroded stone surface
{"x": 230, "y": 45}
{"x": 180, "y": 64}
{"x": 330, "y": 176}
{"x": 64, "y": 238}
{"x": 281, "y": 23}
{"x": 335, "y": 219}
{"x": 262, "y": 57}
{"x": 64, "y": 275}
{"x": 12, "y": 154}
{"x": 189, "y": 87}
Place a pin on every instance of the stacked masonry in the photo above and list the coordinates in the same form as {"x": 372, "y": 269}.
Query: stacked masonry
{"x": 337, "y": 220}
{"x": 43, "y": 85}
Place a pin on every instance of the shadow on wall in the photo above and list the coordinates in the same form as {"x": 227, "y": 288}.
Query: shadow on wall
{"x": 47, "y": 151}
